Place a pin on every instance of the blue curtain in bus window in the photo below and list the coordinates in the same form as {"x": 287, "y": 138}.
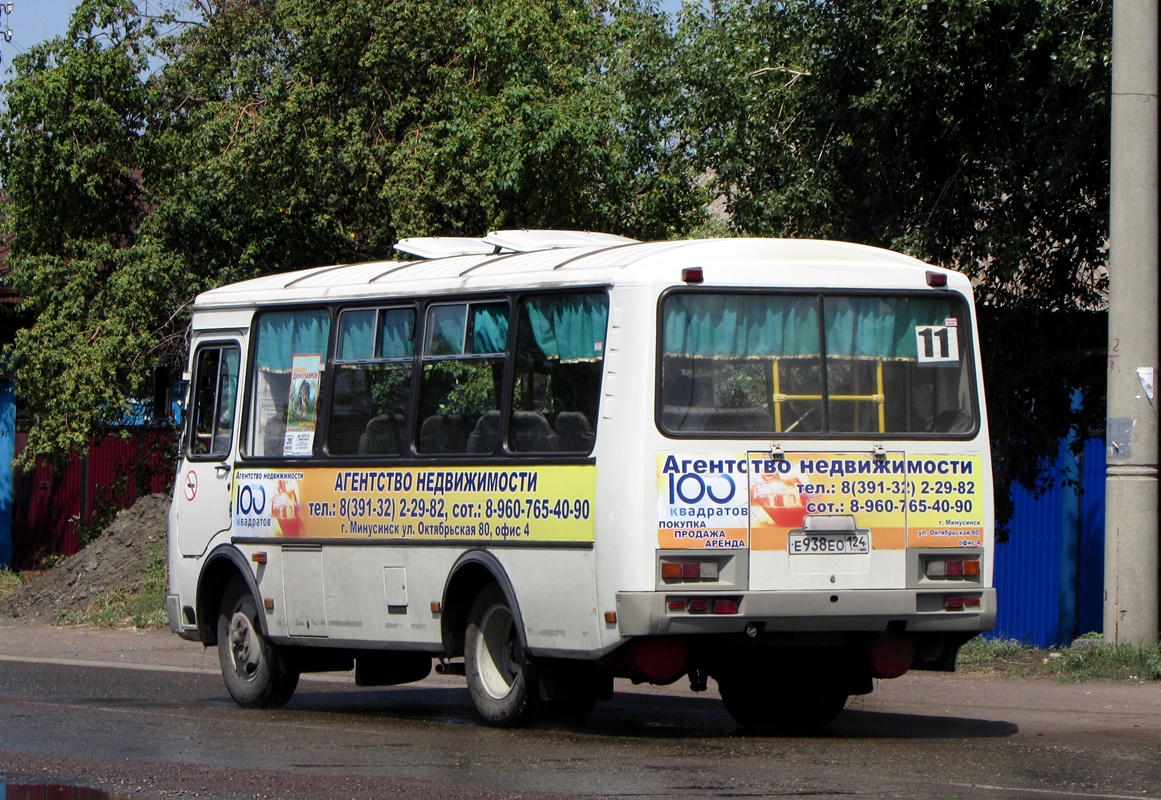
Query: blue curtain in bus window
{"x": 284, "y": 334}
{"x": 570, "y": 328}
{"x": 879, "y": 327}
{"x": 740, "y": 326}
{"x": 445, "y": 330}
{"x": 489, "y": 328}
{"x": 356, "y": 332}
{"x": 397, "y": 337}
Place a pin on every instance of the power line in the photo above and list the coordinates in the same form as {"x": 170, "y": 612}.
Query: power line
{"x": 5, "y": 24}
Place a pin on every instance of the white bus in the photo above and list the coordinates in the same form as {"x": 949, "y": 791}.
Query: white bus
{"x": 546, "y": 459}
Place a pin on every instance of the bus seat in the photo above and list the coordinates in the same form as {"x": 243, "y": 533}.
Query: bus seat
{"x": 531, "y": 433}
{"x": 574, "y": 434}
{"x": 485, "y": 438}
{"x": 682, "y": 389}
{"x": 443, "y": 433}
{"x": 385, "y": 434}
{"x": 346, "y": 433}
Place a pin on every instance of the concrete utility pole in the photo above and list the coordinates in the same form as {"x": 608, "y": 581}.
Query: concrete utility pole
{"x": 1131, "y": 613}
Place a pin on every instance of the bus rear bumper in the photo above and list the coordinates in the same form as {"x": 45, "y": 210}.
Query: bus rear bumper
{"x": 917, "y": 611}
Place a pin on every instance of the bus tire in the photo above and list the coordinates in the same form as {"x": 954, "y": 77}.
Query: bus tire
{"x": 762, "y": 704}
{"x": 255, "y": 674}
{"x": 501, "y": 679}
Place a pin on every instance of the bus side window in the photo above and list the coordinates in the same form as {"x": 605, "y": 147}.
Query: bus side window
{"x": 372, "y": 382}
{"x": 214, "y": 398}
{"x": 290, "y": 348}
{"x": 465, "y": 346}
{"x": 559, "y": 361}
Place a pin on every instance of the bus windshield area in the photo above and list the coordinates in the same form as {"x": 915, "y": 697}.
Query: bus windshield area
{"x": 744, "y": 363}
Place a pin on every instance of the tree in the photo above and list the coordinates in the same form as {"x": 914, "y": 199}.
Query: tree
{"x": 276, "y": 136}
{"x": 71, "y": 137}
{"x": 287, "y": 136}
{"x": 972, "y": 134}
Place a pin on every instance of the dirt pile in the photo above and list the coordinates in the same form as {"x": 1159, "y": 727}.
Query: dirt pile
{"x": 115, "y": 562}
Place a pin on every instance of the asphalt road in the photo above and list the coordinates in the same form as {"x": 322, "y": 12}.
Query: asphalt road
{"x": 147, "y": 716}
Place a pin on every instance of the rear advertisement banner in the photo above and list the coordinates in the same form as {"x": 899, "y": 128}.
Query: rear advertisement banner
{"x": 884, "y": 502}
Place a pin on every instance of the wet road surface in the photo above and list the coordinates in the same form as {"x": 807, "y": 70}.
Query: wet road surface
{"x": 150, "y": 718}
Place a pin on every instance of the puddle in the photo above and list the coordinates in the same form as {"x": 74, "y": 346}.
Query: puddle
{"x": 43, "y": 791}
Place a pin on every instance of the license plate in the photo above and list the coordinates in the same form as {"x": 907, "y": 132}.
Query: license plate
{"x": 801, "y": 544}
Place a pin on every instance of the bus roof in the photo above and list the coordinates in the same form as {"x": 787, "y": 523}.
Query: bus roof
{"x": 792, "y": 263}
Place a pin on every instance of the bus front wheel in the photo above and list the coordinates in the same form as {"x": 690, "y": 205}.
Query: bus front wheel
{"x": 501, "y": 680}
{"x": 251, "y": 666}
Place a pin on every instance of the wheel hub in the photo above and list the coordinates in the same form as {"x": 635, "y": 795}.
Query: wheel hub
{"x": 244, "y": 646}
{"x": 502, "y": 654}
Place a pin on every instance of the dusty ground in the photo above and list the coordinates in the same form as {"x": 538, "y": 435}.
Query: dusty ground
{"x": 114, "y": 562}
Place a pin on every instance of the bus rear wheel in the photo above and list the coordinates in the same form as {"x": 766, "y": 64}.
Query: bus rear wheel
{"x": 251, "y": 665}
{"x": 501, "y": 680}
{"x": 767, "y": 704}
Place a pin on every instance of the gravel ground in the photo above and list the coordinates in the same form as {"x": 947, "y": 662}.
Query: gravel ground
{"x": 114, "y": 562}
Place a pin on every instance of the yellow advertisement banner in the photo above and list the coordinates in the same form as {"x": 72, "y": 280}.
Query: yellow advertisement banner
{"x": 519, "y": 503}
{"x": 884, "y": 502}
{"x": 702, "y": 501}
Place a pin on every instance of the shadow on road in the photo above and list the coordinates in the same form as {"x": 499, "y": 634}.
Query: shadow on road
{"x": 634, "y": 715}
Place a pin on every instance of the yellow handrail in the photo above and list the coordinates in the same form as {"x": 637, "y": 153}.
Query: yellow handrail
{"x": 879, "y": 397}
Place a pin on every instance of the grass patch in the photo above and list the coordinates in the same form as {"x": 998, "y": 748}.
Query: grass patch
{"x": 984, "y": 650}
{"x": 9, "y": 582}
{"x": 143, "y": 607}
{"x": 1115, "y": 662}
{"x": 1087, "y": 659}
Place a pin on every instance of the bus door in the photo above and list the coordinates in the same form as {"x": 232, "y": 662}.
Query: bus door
{"x": 818, "y": 520}
{"x": 205, "y": 482}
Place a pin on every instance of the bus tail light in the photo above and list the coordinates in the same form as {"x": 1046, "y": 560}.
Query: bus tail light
{"x": 703, "y": 605}
{"x": 682, "y": 570}
{"x": 726, "y": 605}
{"x": 953, "y": 568}
{"x": 955, "y": 602}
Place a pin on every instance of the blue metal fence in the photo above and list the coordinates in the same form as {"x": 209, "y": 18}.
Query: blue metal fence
{"x": 1049, "y": 575}
{"x": 7, "y": 451}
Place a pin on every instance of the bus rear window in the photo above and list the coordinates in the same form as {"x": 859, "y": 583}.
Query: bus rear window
{"x": 747, "y": 363}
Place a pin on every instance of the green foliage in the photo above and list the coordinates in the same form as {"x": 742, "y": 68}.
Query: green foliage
{"x": 275, "y": 135}
{"x": 1087, "y": 659}
{"x": 9, "y": 582}
{"x": 1085, "y": 662}
{"x": 979, "y": 650}
{"x": 973, "y": 134}
{"x": 101, "y": 297}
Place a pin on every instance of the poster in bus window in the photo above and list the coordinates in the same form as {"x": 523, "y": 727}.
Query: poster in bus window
{"x": 302, "y": 408}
